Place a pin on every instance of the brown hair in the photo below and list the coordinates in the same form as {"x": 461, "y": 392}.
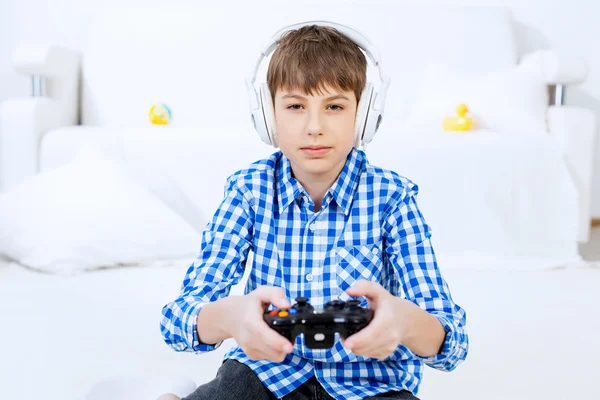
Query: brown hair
{"x": 313, "y": 57}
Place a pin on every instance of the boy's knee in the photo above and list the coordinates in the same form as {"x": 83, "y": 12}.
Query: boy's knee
{"x": 168, "y": 396}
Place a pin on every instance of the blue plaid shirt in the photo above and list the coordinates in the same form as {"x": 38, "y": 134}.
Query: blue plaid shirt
{"x": 369, "y": 227}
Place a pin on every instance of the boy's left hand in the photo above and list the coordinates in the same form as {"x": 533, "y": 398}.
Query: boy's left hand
{"x": 388, "y": 328}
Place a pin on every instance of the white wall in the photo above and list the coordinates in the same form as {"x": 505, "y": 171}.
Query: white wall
{"x": 569, "y": 27}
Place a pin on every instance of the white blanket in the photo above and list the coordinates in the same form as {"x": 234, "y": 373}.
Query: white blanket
{"x": 533, "y": 333}
{"x": 492, "y": 201}
{"x": 484, "y": 195}
{"x": 506, "y": 199}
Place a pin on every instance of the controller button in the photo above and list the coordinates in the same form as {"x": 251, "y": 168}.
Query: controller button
{"x": 273, "y": 313}
{"x": 293, "y": 311}
{"x": 283, "y": 313}
{"x": 353, "y": 303}
{"x": 319, "y": 337}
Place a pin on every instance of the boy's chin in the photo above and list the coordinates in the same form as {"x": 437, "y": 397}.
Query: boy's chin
{"x": 319, "y": 166}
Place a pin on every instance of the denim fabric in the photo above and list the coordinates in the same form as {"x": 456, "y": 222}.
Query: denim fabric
{"x": 236, "y": 381}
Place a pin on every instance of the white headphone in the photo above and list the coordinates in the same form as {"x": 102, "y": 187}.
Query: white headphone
{"x": 370, "y": 106}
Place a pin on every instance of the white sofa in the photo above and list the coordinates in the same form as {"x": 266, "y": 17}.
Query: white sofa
{"x": 104, "y": 90}
{"x": 74, "y": 331}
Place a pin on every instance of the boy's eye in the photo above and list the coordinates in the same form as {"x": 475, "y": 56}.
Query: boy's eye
{"x": 333, "y": 107}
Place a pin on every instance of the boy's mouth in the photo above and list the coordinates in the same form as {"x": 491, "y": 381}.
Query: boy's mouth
{"x": 315, "y": 150}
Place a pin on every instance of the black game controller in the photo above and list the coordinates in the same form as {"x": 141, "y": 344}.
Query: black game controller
{"x": 319, "y": 326}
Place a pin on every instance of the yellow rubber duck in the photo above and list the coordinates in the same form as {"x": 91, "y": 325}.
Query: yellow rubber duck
{"x": 460, "y": 122}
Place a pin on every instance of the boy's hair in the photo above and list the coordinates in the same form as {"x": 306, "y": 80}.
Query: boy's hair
{"x": 312, "y": 57}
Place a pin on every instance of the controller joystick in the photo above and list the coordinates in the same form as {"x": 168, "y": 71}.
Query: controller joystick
{"x": 335, "y": 305}
{"x": 301, "y": 301}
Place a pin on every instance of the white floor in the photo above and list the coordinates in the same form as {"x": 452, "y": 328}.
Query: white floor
{"x": 534, "y": 334}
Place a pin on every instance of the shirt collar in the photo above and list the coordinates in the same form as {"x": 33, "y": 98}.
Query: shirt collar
{"x": 342, "y": 191}
{"x": 287, "y": 187}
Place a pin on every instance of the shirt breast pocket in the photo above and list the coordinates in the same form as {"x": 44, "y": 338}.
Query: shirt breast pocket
{"x": 355, "y": 263}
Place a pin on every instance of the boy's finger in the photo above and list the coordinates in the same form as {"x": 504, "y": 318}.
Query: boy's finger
{"x": 273, "y": 295}
{"x": 274, "y": 339}
{"x": 275, "y": 352}
{"x": 368, "y": 348}
{"x": 271, "y": 350}
{"x": 369, "y": 289}
{"x": 277, "y": 356}
{"x": 366, "y": 337}
{"x": 281, "y": 302}
{"x": 378, "y": 352}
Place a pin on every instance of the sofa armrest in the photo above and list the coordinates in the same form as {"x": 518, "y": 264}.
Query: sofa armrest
{"x": 22, "y": 123}
{"x": 557, "y": 69}
{"x": 47, "y": 61}
{"x": 575, "y": 129}
{"x": 56, "y": 71}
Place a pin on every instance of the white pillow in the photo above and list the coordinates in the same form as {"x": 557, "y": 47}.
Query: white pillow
{"x": 87, "y": 214}
{"x": 509, "y": 101}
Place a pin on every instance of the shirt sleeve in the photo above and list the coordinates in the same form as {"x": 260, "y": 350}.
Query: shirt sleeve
{"x": 220, "y": 264}
{"x": 408, "y": 248}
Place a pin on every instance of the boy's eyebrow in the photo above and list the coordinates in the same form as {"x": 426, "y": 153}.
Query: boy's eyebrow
{"x": 330, "y": 98}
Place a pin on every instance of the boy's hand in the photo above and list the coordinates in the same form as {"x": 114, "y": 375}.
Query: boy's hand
{"x": 388, "y": 328}
{"x": 251, "y": 332}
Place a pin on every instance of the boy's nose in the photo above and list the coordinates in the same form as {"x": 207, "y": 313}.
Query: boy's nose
{"x": 315, "y": 125}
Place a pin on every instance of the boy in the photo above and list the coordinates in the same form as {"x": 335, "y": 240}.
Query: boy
{"x": 322, "y": 224}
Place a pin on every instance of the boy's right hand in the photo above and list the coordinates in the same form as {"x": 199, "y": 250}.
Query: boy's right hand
{"x": 251, "y": 332}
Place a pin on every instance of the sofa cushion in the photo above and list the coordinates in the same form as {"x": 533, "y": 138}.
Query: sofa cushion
{"x": 87, "y": 214}
{"x": 511, "y": 100}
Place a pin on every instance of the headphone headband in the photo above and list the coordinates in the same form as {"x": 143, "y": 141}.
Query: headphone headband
{"x": 370, "y": 107}
{"x": 352, "y": 34}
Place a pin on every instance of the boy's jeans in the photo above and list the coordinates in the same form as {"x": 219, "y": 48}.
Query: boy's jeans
{"x": 235, "y": 381}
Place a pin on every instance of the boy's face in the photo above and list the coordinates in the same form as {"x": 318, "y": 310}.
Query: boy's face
{"x": 316, "y": 132}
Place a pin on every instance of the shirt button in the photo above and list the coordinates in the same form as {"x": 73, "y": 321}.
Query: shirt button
{"x": 313, "y": 226}
{"x": 309, "y": 277}
{"x": 375, "y": 250}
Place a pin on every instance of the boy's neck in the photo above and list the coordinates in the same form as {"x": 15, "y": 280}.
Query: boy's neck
{"x": 317, "y": 185}
{"x": 316, "y": 191}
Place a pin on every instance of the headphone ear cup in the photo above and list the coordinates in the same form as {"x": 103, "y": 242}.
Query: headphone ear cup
{"x": 373, "y": 121}
{"x": 268, "y": 113}
{"x": 258, "y": 117}
{"x": 362, "y": 113}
